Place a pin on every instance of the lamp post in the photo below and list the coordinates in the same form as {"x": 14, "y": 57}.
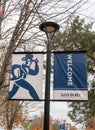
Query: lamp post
{"x": 49, "y": 28}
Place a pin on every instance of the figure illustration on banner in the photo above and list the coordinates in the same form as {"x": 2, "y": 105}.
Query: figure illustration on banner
{"x": 19, "y": 74}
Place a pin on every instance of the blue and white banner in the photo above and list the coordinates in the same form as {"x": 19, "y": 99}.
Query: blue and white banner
{"x": 26, "y": 76}
{"x": 70, "y": 76}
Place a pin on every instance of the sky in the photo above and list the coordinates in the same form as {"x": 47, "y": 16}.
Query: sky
{"x": 59, "y": 110}
{"x": 87, "y": 11}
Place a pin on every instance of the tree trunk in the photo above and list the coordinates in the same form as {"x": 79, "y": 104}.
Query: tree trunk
{"x": 9, "y": 128}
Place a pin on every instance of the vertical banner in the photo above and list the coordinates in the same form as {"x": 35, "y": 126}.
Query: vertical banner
{"x": 70, "y": 76}
{"x": 26, "y": 76}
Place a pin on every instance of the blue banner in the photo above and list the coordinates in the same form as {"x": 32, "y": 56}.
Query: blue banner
{"x": 70, "y": 76}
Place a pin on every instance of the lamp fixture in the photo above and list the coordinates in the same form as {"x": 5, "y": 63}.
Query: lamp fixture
{"x": 49, "y": 27}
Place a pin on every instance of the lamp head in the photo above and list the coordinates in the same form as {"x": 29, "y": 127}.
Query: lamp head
{"x": 49, "y": 27}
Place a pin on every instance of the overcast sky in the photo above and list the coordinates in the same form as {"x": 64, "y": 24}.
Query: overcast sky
{"x": 59, "y": 111}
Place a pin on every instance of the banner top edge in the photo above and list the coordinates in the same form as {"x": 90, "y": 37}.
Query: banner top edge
{"x": 70, "y": 51}
{"x": 29, "y": 52}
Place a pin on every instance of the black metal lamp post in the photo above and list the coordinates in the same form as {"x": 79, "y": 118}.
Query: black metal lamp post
{"x": 49, "y": 28}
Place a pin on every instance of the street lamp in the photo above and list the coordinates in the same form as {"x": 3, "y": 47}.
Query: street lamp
{"x": 49, "y": 28}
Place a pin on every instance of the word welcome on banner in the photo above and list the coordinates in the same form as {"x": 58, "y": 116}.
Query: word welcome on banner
{"x": 26, "y": 76}
{"x": 70, "y": 76}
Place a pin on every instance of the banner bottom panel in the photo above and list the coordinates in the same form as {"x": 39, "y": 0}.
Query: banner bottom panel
{"x": 70, "y": 95}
